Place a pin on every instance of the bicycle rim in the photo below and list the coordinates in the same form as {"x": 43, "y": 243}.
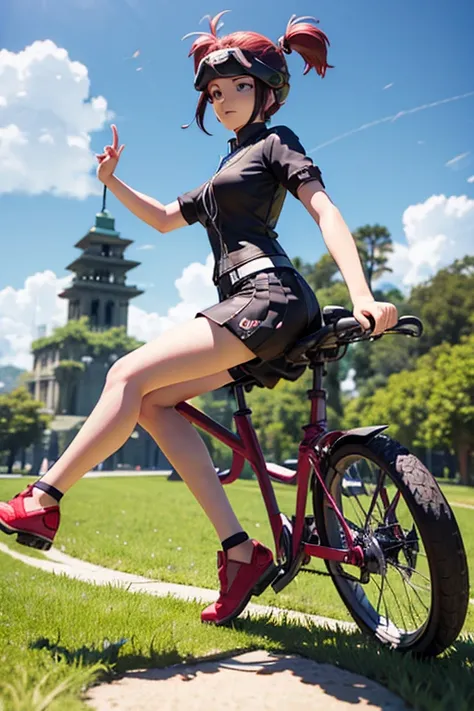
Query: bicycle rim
{"x": 395, "y": 600}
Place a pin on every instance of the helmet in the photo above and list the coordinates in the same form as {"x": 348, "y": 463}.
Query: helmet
{"x": 232, "y": 61}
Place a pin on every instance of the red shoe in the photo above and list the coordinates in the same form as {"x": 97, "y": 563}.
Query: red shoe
{"x": 239, "y": 581}
{"x": 34, "y": 528}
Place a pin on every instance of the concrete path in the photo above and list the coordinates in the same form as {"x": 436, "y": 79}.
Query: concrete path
{"x": 460, "y": 505}
{"x": 255, "y": 681}
{"x": 95, "y": 474}
{"x": 63, "y": 564}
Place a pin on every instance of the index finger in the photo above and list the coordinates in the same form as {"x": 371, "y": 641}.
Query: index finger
{"x": 115, "y": 136}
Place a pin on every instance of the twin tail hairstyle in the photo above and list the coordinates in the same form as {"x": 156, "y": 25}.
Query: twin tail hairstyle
{"x": 300, "y": 36}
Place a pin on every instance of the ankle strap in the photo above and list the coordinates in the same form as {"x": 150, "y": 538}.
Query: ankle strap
{"x": 234, "y": 540}
{"x": 48, "y": 489}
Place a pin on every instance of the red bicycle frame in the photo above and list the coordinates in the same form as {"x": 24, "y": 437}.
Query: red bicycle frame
{"x": 311, "y": 452}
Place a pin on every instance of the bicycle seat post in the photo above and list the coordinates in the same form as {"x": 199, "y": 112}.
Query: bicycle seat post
{"x": 318, "y": 395}
{"x": 240, "y": 397}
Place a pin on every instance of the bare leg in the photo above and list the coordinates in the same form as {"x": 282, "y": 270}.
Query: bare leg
{"x": 193, "y": 350}
{"x": 186, "y": 451}
{"x": 199, "y": 348}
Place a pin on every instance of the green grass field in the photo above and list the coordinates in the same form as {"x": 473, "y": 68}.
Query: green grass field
{"x": 114, "y": 522}
{"x": 155, "y": 528}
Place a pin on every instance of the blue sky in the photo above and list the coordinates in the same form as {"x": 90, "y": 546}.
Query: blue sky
{"x": 422, "y": 49}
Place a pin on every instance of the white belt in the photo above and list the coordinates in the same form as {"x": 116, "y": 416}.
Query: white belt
{"x": 256, "y": 265}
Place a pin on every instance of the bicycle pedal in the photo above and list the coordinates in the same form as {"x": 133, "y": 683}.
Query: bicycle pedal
{"x": 280, "y": 581}
{"x": 268, "y": 579}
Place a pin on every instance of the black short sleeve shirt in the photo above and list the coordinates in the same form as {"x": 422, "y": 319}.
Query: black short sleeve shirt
{"x": 287, "y": 160}
{"x": 241, "y": 203}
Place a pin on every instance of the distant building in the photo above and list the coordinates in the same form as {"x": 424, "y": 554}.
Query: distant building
{"x": 65, "y": 377}
{"x": 98, "y": 289}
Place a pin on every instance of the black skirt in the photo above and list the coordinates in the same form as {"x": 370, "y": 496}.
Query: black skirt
{"x": 269, "y": 311}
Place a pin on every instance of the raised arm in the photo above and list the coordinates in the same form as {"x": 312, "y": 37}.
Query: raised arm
{"x": 163, "y": 218}
{"x": 342, "y": 248}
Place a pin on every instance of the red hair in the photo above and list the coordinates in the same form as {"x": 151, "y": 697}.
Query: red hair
{"x": 306, "y": 39}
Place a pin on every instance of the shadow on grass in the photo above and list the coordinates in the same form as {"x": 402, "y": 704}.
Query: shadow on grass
{"x": 110, "y": 656}
{"x": 440, "y": 684}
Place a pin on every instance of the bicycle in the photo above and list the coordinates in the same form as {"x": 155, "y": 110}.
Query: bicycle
{"x": 380, "y": 523}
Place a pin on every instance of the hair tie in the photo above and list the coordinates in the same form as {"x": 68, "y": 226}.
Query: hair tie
{"x": 284, "y": 46}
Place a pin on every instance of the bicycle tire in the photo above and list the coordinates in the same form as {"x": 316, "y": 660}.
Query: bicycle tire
{"x": 439, "y": 533}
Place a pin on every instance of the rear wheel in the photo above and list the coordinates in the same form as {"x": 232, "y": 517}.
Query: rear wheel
{"x": 413, "y": 591}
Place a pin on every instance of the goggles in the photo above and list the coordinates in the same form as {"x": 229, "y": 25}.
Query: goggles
{"x": 233, "y": 61}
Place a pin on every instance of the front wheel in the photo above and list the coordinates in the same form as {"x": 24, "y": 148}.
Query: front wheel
{"x": 413, "y": 591}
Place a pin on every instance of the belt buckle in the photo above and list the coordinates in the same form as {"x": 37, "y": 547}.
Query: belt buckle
{"x": 234, "y": 276}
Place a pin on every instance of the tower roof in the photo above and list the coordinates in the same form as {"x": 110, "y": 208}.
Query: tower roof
{"x": 95, "y": 260}
{"x": 105, "y": 223}
{"x": 99, "y": 289}
{"x": 103, "y": 231}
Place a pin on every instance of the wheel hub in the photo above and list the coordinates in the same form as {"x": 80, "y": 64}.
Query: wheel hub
{"x": 374, "y": 558}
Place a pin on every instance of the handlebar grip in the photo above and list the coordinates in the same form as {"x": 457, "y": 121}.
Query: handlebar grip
{"x": 350, "y": 325}
{"x": 371, "y": 320}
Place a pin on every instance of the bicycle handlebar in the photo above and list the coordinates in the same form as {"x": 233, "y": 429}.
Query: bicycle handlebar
{"x": 348, "y": 328}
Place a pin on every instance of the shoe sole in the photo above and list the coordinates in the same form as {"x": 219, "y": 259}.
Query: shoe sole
{"x": 260, "y": 586}
{"x": 32, "y": 540}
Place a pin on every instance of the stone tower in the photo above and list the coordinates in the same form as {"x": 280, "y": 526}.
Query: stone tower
{"x": 66, "y": 377}
{"x": 98, "y": 289}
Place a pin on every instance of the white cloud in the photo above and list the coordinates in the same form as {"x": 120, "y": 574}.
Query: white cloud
{"x": 146, "y": 246}
{"x": 23, "y": 310}
{"x": 46, "y": 117}
{"x": 470, "y": 179}
{"x": 437, "y": 231}
{"x": 388, "y": 86}
{"x": 196, "y": 292}
{"x": 391, "y": 119}
{"x": 454, "y": 162}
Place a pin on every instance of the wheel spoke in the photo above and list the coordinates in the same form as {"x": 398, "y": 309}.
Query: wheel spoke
{"x": 341, "y": 474}
{"x": 407, "y": 568}
{"x": 390, "y": 511}
{"x": 395, "y": 605}
{"x": 387, "y": 615}
{"x": 415, "y": 622}
{"x": 397, "y": 602}
{"x": 380, "y": 595}
{"x": 409, "y": 582}
{"x": 415, "y": 591}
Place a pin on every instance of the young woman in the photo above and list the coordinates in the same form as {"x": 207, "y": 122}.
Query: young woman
{"x": 264, "y": 303}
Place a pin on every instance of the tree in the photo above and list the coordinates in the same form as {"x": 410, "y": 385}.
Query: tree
{"x": 76, "y": 337}
{"x": 279, "y": 415}
{"x": 401, "y": 404}
{"x": 319, "y": 275}
{"x": 431, "y": 405}
{"x": 445, "y": 304}
{"x": 375, "y": 246}
{"x": 219, "y": 405}
{"x": 21, "y": 422}
{"x": 450, "y": 404}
